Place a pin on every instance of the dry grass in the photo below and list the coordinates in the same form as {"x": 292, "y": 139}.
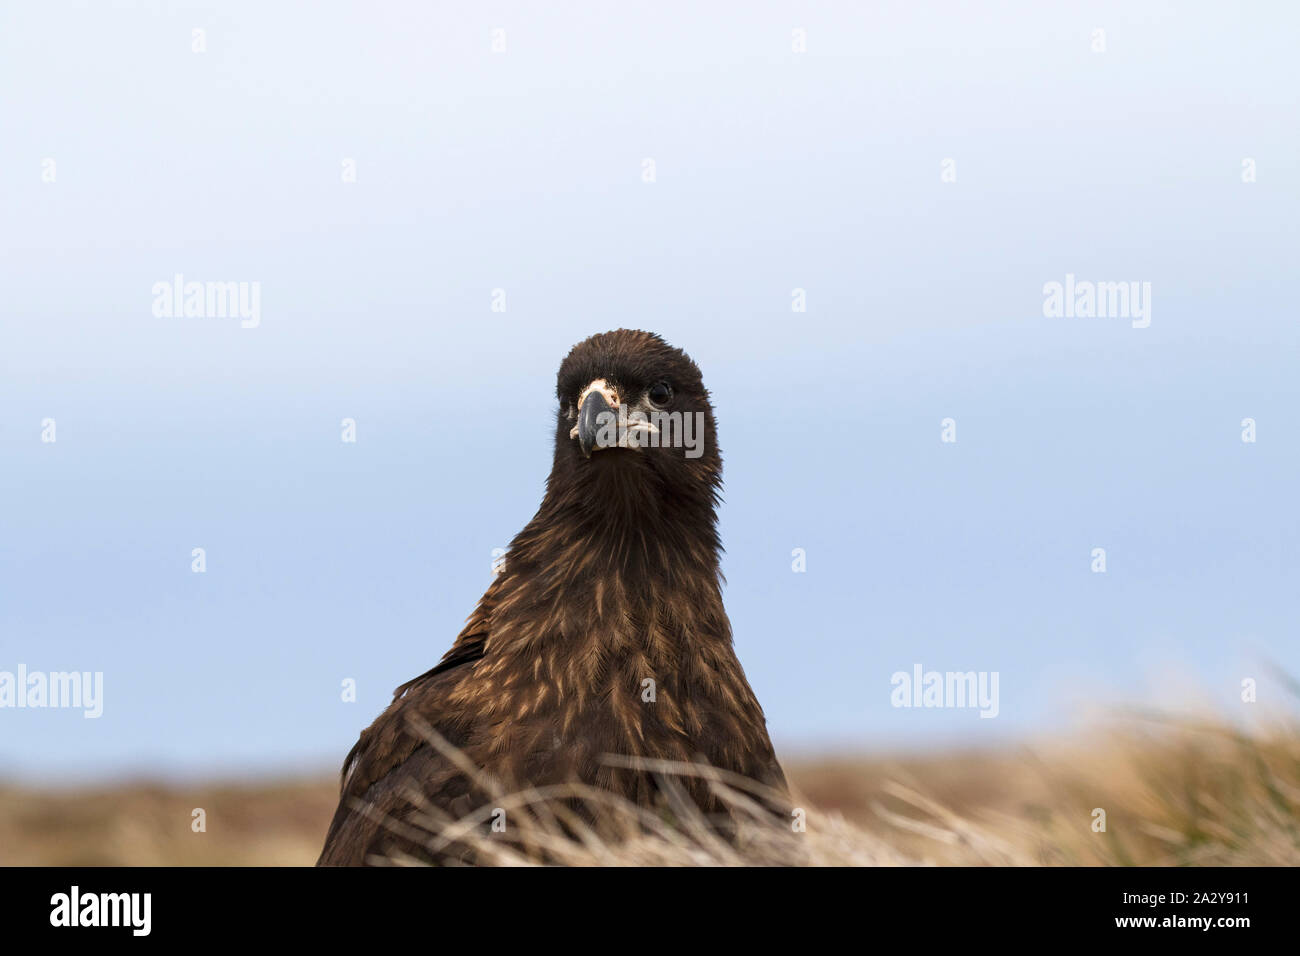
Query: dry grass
{"x": 1175, "y": 793}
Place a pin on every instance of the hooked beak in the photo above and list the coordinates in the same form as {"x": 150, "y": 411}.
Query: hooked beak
{"x": 605, "y": 423}
{"x": 597, "y": 399}
{"x": 590, "y": 422}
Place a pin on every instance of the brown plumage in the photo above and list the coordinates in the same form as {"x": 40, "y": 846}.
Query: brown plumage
{"x": 614, "y": 582}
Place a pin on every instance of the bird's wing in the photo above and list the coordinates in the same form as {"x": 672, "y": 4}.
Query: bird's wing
{"x": 392, "y": 760}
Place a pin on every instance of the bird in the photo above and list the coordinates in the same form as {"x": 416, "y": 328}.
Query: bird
{"x": 603, "y": 634}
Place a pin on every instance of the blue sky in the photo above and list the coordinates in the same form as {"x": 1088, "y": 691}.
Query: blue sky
{"x": 522, "y": 171}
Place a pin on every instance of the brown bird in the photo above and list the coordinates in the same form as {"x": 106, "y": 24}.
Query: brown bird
{"x": 603, "y": 634}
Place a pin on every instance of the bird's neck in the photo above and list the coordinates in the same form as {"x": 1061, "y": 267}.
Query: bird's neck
{"x": 607, "y": 626}
{"x": 640, "y": 570}
{"x": 640, "y": 533}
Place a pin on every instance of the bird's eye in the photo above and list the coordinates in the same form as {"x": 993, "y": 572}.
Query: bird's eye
{"x": 660, "y": 394}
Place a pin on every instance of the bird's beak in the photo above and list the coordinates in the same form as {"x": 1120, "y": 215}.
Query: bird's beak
{"x": 597, "y": 398}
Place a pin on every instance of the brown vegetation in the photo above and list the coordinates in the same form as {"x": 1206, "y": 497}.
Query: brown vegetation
{"x": 1174, "y": 794}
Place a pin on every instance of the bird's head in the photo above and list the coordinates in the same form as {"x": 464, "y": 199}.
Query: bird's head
{"x": 634, "y": 410}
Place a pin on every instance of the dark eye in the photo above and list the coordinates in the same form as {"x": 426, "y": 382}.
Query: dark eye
{"x": 660, "y": 394}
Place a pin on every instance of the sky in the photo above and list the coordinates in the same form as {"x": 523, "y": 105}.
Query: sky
{"x": 919, "y": 171}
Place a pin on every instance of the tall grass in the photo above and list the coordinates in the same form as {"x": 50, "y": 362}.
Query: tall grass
{"x": 1176, "y": 792}
{"x": 1151, "y": 791}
